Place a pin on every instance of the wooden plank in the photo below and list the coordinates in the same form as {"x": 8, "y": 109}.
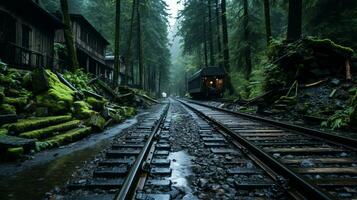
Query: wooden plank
{"x": 339, "y": 182}
{"x": 321, "y": 161}
{"x": 266, "y": 134}
{"x": 311, "y": 150}
{"x": 279, "y": 143}
{"x": 327, "y": 170}
{"x": 261, "y": 131}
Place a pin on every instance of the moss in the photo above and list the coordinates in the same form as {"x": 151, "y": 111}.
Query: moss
{"x": 18, "y": 102}
{"x": 79, "y": 79}
{"x": 51, "y": 130}
{"x": 27, "y": 80}
{"x": 329, "y": 44}
{"x": 7, "y": 109}
{"x": 65, "y": 138}
{"x": 36, "y": 123}
{"x": 96, "y": 103}
{"x": 83, "y": 110}
{"x": 58, "y": 98}
{"x": 129, "y": 111}
{"x": 2, "y": 94}
{"x": 117, "y": 118}
{"x": 3, "y": 131}
{"x": 14, "y": 153}
{"x": 97, "y": 122}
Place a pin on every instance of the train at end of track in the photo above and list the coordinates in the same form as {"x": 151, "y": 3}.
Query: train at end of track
{"x": 206, "y": 83}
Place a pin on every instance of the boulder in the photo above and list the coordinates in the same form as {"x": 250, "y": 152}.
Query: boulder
{"x": 97, "y": 104}
{"x": 40, "y": 82}
{"x": 82, "y": 110}
{"x": 97, "y": 122}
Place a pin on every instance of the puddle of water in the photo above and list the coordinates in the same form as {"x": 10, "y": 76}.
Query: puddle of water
{"x": 181, "y": 172}
{"x": 33, "y": 178}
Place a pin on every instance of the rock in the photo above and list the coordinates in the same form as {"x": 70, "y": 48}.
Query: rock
{"x": 27, "y": 80}
{"x": 7, "y": 109}
{"x": 307, "y": 163}
{"x": 335, "y": 82}
{"x": 83, "y": 110}
{"x": 202, "y": 182}
{"x": 97, "y": 122}
{"x": 41, "y": 112}
{"x": 40, "y": 81}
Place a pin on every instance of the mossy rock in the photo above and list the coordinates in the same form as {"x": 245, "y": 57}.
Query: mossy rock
{"x": 36, "y": 123}
{"x": 3, "y": 131}
{"x": 14, "y": 153}
{"x": 129, "y": 111}
{"x": 51, "y": 130}
{"x": 97, "y": 122}
{"x": 7, "y": 109}
{"x": 65, "y": 138}
{"x": 58, "y": 98}
{"x": 96, "y": 104}
{"x": 2, "y": 94}
{"x": 18, "y": 102}
{"x": 27, "y": 80}
{"x": 117, "y": 118}
{"x": 83, "y": 110}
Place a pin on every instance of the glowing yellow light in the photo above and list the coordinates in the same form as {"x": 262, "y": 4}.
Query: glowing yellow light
{"x": 211, "y": 82}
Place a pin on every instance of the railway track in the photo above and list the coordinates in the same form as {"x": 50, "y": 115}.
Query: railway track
{"x": 314, "y": 164}
{"x": 125, "y": 164}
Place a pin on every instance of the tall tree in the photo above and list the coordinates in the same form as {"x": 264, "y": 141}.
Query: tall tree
{"x": 218, "y": 24}
{"x": 139, "y": 46}
{"x": 294, "y": 20}
{"x": 117, "y": 44}
{"x": 248, "y": 60}
{"x": 68, "y": 35}
{"x": 128, "y": 50}
{"x": 267, "y": 21}
{"x": 225, "y": 46}
{"x": 205, "y": 49}
{"x": 210, "y": 33}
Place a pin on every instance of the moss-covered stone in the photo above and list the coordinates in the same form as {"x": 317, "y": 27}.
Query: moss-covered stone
{"x": 7, "y": 109}
{"x": 18, "y": 102}
{"x": 117, "y": 118}
{"x": 83, "y": 110}
{"x": 51, "y": 130}
{"x": 329, "y": 44}
{"x": 27, "y": 80}
{"x": 65, "y": 138}
{"x": 36, "y": 123}
{"x": 97, "y": 122}
{"x": 129, "y": 111}
{"x": 2, "y": 94}
{"x": 3, "y": 131}
{"x": 58, "y": 98}
{"x": 14, "y": 153}
{"x": 97, "y": 104}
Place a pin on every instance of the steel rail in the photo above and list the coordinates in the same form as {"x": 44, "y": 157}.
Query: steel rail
{"x": 336, "y": 139}
{"x": 298, "y": 182}
{"x": 128, "y": 189}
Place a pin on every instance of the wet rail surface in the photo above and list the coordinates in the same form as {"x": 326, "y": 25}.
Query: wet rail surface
{"x": 317, "y": 167}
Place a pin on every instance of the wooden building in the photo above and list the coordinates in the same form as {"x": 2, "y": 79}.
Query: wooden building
{"x": 27, "y": 34}
{"x": 90, "y": 45}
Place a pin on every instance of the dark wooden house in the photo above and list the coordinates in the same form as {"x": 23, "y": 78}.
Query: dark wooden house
{"x": 27, "y": 34}
{"x": 90, "y": 45}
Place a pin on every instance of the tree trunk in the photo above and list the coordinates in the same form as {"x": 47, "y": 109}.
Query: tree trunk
{"x": 219, "y": 47}
{"x": 205, "y": 35}
{"x": 117, "y": 43}
{"x": 210, "y": 34}
{"x": 140, "y": 49}
{"x": 267, "y": 21}
{"x": 294, "y": 20}
{"x": 248, "y": 60}
{"x": 225, "y": 47}
{"x": 128, "y": 51}
{"x": 68, "y": 35}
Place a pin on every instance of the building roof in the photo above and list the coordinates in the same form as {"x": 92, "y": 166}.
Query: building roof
{"x": 208, "y": 71}
{"x": 83, "y": 20}
{"x": 33, "y": 12}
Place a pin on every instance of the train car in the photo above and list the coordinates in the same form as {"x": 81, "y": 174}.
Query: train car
{"x": 207, "y": 83}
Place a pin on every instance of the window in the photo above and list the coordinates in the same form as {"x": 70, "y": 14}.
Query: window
{"x": 26, "y": 36}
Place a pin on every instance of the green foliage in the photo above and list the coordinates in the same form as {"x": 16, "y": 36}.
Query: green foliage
{"x": 341, "y": 119}
{"x": 82, "y": 110}
{"x": 79, "y": 79}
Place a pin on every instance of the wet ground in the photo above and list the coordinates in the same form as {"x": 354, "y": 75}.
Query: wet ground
{"x": 48, "y": 170}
